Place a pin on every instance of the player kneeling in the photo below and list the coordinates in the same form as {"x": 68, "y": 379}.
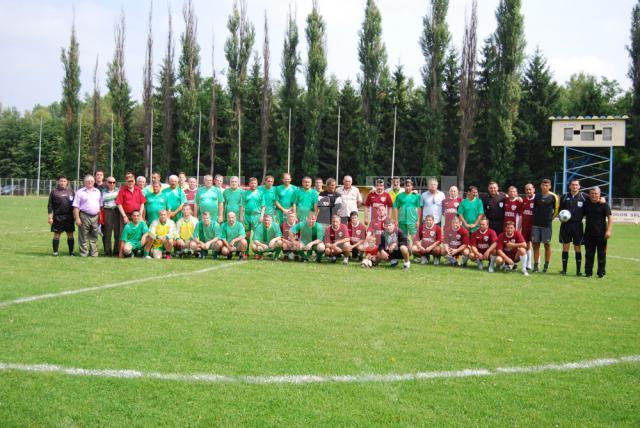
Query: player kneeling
{"x": 456, "y": 244}
{"x": 289, "y": 246}
{"x": 185, "y": 241}
{"x": 511, "y": 248}
{"x": 483, "y": 245}
{"x": 161, "y": 233}
{"x": 233, "y": 238}
{"x": 267, "y": 238}
{"x": 371, "y": 250}
{"x": 427, "y": 241}
{"x": 207, "y": 237}
{"x": 393, "y": 245}
{"x": 134, "y": 236}
{"x": 357, "y": 235}
{"x": 336, "y": 241}
{"x": 311, "y": 235}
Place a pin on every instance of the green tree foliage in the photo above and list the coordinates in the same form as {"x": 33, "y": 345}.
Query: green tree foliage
{"x": 450, "y": 114}
{"x": 535, "y": 159}
{"x": 70, "y": 101}
{"x": 434, "y": 41}
{"x": 316, "y": 87}
{"x": 351, "y": 132}
{"x": 372, "y": 55}
{"x": 187, "y": 89}
{"x": 165, "y": 154}
{"x": 631, "y": 156}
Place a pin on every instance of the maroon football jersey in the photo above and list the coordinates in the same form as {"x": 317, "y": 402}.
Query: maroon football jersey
{"x": 527, "y": 212}
{"x": 456, "y": 238}
{"x": 375, "y": 199}
{"x": 513, "y": 211}
{"x": 450, "y": 210}
{"x": 376, "y": 227}
{"x": 357, "y": 233}
{"x": 284, "y": 227}
{"x": 503, "y": 240}
{"x": 429, "y": 236}
{"x": 331, "y": 235}
{"x": 482, "y": 241}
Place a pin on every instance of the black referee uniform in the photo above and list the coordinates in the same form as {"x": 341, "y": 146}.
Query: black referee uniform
{"x": 572, "y": 231}
{"x": 494, "y": 210}
{"x": 598, "y": 215}
{"x": 60, "y": 208}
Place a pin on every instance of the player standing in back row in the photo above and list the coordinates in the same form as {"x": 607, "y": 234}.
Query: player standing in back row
{"x": 545, "y": 209}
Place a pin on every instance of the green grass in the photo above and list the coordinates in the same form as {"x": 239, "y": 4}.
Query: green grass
{"x": 265, "y": 318}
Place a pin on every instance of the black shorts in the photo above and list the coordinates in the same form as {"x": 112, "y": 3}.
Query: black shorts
{"x": 496, "y": 226}
{"x": 571, "y": 232}
{"x": 63, "y": 224}
{"x": 395, "y": 254}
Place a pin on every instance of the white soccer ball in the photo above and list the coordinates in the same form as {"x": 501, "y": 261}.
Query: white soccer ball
{"x": 564, "y": 216}
{"x": 366, "y": 263}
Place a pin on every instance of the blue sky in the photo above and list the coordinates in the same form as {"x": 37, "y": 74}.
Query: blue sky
{"x": 575, "y": 35}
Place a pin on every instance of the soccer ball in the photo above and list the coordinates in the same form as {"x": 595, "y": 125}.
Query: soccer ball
{"x": 564, "y": 216}
{"x": 366, "y": 263}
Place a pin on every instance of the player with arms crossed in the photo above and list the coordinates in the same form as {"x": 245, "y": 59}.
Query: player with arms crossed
{"x": 456, "y": 243}
{"x": 267, "y": 238}
{"x": 285, "y": 197}
{"x": 161, "y": 233}
{"x": 207, "y": 237}
{"x": 597, "y": 232}
{"x": 484, "y": 242}
{"x": 427, "y": 241}
{"x": 336, "y": 240}
{"x": 511, "y": 248}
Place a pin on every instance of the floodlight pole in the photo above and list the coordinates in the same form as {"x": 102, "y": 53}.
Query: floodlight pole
{"x": 111, "y": 149}
{"x": 79, "y": 141}
{"x": 198, "y": 155}
{"x": 393, "y": 150}
{"x": 151, "y": 145}
{"x": 338, "y": 148}
{"x": 239, "y": 146}
{"x": 289, "y": 145}
{"x": 39, "y": 158}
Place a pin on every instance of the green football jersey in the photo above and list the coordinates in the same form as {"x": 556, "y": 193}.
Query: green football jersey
{"x": 305, "y": 201}
{"x": 252, "y": 201}
{"x": 233, "y": 200}
{"x": 268, "y": 199}
{"x": 407, "y": 205}
{"x": 286, "y": 196}
{"x": 208, "y": 200}
{"x": 307, "y": 233}
{"x": 207, "y": 233}
{"x": 156, "y": 202}
{"x": 133, "y": 233}
{"x": 265, "y": 235}
{"x": 175, "y": 198}
{"x": 229, "y": 233}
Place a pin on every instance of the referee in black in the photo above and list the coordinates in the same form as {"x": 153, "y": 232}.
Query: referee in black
{"x": 61, "y": 214}
{"x": 597, "y": 232}
{"x": 493, "y": 204}
{"x": 573, "y": 201}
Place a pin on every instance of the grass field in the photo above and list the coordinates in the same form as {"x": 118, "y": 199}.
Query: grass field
{"x": 262, "y": 318}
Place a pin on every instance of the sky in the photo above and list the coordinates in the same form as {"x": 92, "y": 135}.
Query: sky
{"x": 575, "y": 35}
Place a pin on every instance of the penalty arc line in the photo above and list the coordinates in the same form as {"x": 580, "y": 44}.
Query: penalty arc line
{"x": 312, "y": 379}
{"x": 137, "y": 281}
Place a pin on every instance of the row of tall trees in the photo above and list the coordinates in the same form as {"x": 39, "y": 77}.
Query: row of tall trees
{"x": 478, "y": 112}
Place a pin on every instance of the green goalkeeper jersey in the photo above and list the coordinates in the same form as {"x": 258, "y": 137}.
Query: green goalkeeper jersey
{"x": 265, "y": 235}
{"x": 308, "y": 233}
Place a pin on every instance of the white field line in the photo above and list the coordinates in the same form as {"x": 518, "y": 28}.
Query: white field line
{"x": 136, "y": 281}
{"x": 631, "y": 259}
{"x": 310, "y": 378}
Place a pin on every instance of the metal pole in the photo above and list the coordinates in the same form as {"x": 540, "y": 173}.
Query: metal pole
{"x": 393, "y": 151}
{"x": 338, "y": 148}
{"x": 198, "y": 156}
{"x": 289, "y": 145}
{"x": 111, "y": 149}
{"x": 151, "y": 146}
{"x": 610, "y": 175}
{"x": 239, "y": 146}
{"x": 564, "y": 172}
{"x": 39, "y": 158}
{"x": 79, "y": 141}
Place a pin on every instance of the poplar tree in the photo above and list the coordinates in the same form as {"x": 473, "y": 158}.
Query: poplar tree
{"x": 147, "y": 100}
{"x": 265, "y": 104}
{"x": 96, "y": 132}
{"x": 70, "y": 101}
{"x": 166, "y": 96}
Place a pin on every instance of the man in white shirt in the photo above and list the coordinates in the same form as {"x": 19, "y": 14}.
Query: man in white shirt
{"x": 350, "y": 199}
{"x": 431, "y": 201}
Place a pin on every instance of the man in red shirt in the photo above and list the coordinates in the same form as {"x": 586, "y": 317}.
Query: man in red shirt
{"x": 511, "y": 248}
{"x": 456, "y": 243}
{"x": 336, "y": 240}
{"x": 513, "y": 206}
{"x": 378, "y": 197}
{"x": 358, "y": 235}
{"x": 427, "y": 241}
{"x": 483, "y": 245}
{"x": 527, "y": 219}
{"x": 450, "y": 206}
{"x": 376, "y": 227}
{"x": 130, "y": 198}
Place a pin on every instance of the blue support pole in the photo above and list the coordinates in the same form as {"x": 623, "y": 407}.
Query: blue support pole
{"x": 610, "y": 174}
{"x": 564, "y": 172}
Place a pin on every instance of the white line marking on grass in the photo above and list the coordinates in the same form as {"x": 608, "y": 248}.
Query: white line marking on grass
{"x": 632, "y": 259}
{"x": 136, "y": 281}
{"x": 305, "y": 379}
